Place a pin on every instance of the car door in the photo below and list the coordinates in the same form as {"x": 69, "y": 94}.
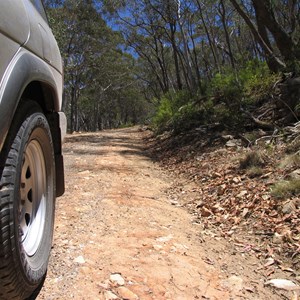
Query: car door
{"x": 14, "y": 31}
{"x": 41, "y": 40}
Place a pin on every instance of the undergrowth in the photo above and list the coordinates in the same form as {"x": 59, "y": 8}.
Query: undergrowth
{"x": 221, "y": 100}
{"x": 286, "y": 188}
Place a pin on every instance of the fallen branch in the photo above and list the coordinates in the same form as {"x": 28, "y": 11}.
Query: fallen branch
{"x": 259, "y": 123}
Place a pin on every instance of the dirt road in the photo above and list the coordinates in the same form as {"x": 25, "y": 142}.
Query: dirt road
{"x": 119, "y": 236}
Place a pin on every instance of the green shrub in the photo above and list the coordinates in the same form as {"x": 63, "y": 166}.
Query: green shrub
{"x": 163, "y": 115}
{"x": 259, "y": 85}
{"x": 187, "y": 117}
{"x": 225, "y": 88}
{"x": 226, "y": 93}
{"x": 175, "y": 110}
{"x": 233, "y": 90}
{"x": 293, "y": 66}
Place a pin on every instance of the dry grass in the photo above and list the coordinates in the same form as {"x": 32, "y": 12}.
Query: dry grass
{"x": 293, "y": 146}
{"x": 254, "y": 171}
{"x": 290, "y": 161}
{"x": 285, "y": 188}
{"x": 253, "y": 159}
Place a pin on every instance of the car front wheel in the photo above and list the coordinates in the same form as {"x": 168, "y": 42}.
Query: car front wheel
{"x": 27, "y": 201}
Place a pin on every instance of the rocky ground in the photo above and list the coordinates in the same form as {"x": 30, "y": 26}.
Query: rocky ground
{"x": 234, "y": 186}
{"x": 137, "y": 225}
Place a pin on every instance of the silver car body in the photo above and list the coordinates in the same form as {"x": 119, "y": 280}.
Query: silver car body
{"x": 30, "y": 67}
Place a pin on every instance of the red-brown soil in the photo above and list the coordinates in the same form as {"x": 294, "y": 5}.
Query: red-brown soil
{"x": 122, "y": 232}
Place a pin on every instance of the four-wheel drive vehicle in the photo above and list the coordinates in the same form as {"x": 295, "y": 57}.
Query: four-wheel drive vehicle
{"x": 31, "y": 131}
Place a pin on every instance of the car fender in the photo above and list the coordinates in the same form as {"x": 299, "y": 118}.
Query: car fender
{"x": 24, "y": 69}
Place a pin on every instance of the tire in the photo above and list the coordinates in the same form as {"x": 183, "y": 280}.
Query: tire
{"x": 27, "y": 203}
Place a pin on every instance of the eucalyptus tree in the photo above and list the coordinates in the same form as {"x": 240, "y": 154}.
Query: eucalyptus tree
{"x": 276, "y": 28}
{"x": 75, "y": 23}
{"x": 155, "y": 30}
{"x": 119, "y": 54}
{"x": 99, "y": 75}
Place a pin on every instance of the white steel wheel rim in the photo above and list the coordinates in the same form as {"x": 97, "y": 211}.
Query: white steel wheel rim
{"x": 33, "y": 191}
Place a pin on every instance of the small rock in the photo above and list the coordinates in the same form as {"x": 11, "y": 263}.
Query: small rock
{"x": 283, "y": 284}
{"x": 288, "y": 207}
{"x": 86, "y": 270}
{"x": 266, "y": 197}
{"x": 227, "y": 137}
{"x": 79, "y": 260}
{"x": 277, "y": 238}
{"x": 165, "y": 239}
{"x": 217, "y": 174}
{"x": 127, "y": 294}
{"x": 167, "y": 295}
{"x": 234, "y": 283}
{"x": 200, "y": 204}
{"x": 84, "y": 172}
{"x": 117, "y": 279}
{"x": 205, "y": 212}
{"x": 173, "y": 249}
{"x": 231, "y": 144}
{"x": 174, "y": 202}
{"x": 250, "y": 289}
{"x": 157, "y": 247}
{"x": 110, "y": 295}
{"x": 104, "y": 285}
{"x": 221, "y": 189}
{"x": 242, "y": 194}
{"x": 236, "y": 180}
{"x": 295, "y": 175}
{"x": 245, "y": 212}
{"x": 180, "y": 246}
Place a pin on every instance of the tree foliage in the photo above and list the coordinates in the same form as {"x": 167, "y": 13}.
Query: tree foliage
{"x": 101, "y": 90}
{"x": 183, "y": 62}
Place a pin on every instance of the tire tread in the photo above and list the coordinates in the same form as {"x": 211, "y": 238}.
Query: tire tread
{"x": 12, "y": 282}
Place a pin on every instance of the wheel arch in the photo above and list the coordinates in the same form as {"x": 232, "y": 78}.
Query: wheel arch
{"x": 29, "y": 77}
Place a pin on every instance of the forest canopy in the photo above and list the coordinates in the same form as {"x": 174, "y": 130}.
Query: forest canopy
{"x": 177, "y": 64}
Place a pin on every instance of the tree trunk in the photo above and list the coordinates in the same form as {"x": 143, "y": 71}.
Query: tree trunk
{"x": 222, "y": 11}
{"x": 72, "y": 109}
{"x": 191, "y": 82}
{"x": 275, "y": 64}
{"x": 283, "y": 40}
{"x": 175, "y": 56}
{"x": 211, "y": 45}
